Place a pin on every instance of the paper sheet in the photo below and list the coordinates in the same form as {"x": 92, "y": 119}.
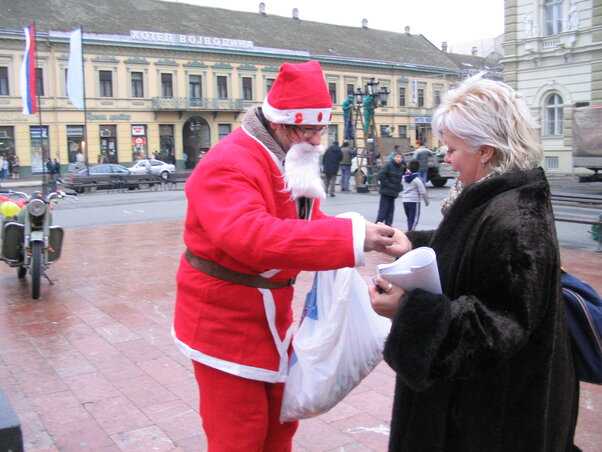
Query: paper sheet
{"x": 416, "y": 269}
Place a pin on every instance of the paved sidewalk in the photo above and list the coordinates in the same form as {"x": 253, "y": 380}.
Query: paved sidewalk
{"x": 91, "y": 365}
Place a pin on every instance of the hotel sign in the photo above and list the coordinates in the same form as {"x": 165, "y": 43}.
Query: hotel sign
{"x": 189, "y": 40}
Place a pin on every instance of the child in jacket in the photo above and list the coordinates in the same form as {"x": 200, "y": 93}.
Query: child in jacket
{"x": 413, "y": 190}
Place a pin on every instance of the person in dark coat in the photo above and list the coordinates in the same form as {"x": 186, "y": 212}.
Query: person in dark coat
{"x": 422, "y": 155}
{"x": 330, "y": 163}
{"x": 389, "y": 178}
{"x": 487, "y": 364}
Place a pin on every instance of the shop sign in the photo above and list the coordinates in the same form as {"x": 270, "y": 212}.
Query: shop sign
{"x": 75, "y": 131}
{"x": 138, "y": 130}
{"x": 191, "y": 40}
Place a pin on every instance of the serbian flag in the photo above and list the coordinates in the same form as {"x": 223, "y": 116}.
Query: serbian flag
{"x": 28, "y": 72}
{"x": 75, "y": 72}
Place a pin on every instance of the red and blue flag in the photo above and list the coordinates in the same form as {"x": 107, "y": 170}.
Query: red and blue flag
{"x": 28, "y": 72}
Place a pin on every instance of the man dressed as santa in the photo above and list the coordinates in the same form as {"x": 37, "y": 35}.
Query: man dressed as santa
{"x": 253, "y": 223}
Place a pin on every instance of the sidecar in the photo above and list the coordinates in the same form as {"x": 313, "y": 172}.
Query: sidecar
{"x": 13, "y": 238}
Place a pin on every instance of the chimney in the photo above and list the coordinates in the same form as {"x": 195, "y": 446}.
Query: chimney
{"x": 474, "y": 51}
{"x": 444, "y": 46}
{"x": 364, "y": 23}
{"x": 407, "y": 30}
{"x": 262, "y": 9}
{"x": 295, "y": 14}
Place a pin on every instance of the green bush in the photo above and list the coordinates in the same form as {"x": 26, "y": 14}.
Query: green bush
{"x": 595, "y": 232}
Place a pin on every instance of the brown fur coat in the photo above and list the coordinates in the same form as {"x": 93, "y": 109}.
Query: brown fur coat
{"x": 487, "y": 366}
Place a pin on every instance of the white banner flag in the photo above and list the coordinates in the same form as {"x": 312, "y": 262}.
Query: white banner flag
{"x": 75, "y": 72}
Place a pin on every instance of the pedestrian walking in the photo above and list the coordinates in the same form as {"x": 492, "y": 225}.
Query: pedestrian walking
{"x": 57, "y": 171}
{"x": 348, "y": 156}
{"x": 487, "y": 364}
{"x": 3, "y": 163}
{"x": 16, "y": 167}
{"x": 389, "y": 178}
{"x": 253, "y": 223}
{"x": 51, "y": 170}
{"x": 413, "y": 192}
{"x": 423, "y": 154}
{"x": 330, "y": 163}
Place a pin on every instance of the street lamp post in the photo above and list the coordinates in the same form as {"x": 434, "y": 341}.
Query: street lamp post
{"x": 367, "y": 100}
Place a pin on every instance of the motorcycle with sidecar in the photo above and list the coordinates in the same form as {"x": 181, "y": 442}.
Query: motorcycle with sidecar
{"x": 30, "y": 242}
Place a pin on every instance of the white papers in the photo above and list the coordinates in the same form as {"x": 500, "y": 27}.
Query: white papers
{"x": 416, "y": 269}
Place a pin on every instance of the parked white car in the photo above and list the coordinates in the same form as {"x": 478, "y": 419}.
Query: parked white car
{"x": 157, "y": 167}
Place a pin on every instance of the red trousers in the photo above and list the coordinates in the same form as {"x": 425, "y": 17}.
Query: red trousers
{"x": 241, "y": 414}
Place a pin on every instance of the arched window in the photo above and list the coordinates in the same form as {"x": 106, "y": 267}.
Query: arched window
{"x": 554, "y": 115}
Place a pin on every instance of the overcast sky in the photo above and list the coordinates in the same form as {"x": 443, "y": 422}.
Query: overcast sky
{"x": 438, "y": 20}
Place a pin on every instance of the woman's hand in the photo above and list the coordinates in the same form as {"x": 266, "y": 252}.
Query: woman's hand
{"x": 386, "y": 303}
{"x": 401, "y": 244}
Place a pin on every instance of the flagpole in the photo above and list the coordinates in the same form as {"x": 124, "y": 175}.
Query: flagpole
{"x": 39, "y": 103}
{"x": 84, "y": 98}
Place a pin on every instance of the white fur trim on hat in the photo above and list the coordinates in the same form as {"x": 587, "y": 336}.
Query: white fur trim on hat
{"x": 299, "y": 116}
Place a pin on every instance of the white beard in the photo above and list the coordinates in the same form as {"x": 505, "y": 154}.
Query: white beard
{"x": 302, "y": 171}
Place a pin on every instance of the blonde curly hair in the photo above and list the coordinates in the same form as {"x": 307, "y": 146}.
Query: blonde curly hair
{"x": 485, "y": 112}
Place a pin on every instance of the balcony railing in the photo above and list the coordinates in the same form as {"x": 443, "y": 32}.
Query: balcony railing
{"x": 200, "y": 103}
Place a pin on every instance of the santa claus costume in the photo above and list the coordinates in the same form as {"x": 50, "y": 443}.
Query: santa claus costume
{"x": 247, "y": 225}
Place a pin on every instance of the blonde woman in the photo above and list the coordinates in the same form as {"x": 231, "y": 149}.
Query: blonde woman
{"x": 487, "y": 365}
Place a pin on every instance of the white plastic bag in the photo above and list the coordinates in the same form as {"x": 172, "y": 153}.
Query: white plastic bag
{"x": 339, "y": 342}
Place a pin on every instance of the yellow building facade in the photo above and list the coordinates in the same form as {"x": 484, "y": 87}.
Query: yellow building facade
{"x": 175, "y": 95}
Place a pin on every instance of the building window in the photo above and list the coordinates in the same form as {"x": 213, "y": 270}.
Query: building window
{"x": 75, "y": 138}
{"x": 403, "y": 131}
{"x": 436, "y": 98}
{"x": 223, "y": 130}
{"x": 166, "y": 84}
{"x": 38, "y": 138}
{"x": 137, "y": 84}
{"x": 420, "y": 100}
{"x": 39, "y": 81}
{"x": 7, "y": 142}
{"x": 332, "y": 89}
{"x": 166, "y": 140}
{"x": 333, "y": 133}
{"x": 247, "y": 88}
{"x": 268, "y": 84}
{"x": 106, "y": 83}
{"x": 350, "y": 89}
{"x": 554, "y": 115}
{"x": 553, "y": 17}
{"x": 139, "y": 143}
{"x": 402, "y": 97}
{"x": 4, "y": 81}
{"x": 222, "y": 87}
{"x": 552, "y": 163}
{"x": 108, "y": 143}
{"x": 194, "y": 83}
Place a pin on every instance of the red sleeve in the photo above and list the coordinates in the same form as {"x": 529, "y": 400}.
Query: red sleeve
{"x": 238, "y": 206}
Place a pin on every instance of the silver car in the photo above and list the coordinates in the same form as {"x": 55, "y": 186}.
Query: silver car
{"x": 157, "y": 167}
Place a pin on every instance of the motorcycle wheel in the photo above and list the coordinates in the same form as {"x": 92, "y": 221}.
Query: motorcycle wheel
{"x": 21, "y": 271}
{"x": 36, "y": 269}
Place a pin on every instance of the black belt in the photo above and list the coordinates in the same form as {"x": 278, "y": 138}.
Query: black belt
{"x": 218, "y": 271}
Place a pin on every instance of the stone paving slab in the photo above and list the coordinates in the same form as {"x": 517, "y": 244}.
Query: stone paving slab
{"x": 91, "y": 365}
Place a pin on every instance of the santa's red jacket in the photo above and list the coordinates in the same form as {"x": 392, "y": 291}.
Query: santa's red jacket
{"x": 240, "y": 216}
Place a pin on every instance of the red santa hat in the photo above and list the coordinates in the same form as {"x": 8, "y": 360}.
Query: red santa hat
{"x": 299, "y": 96}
